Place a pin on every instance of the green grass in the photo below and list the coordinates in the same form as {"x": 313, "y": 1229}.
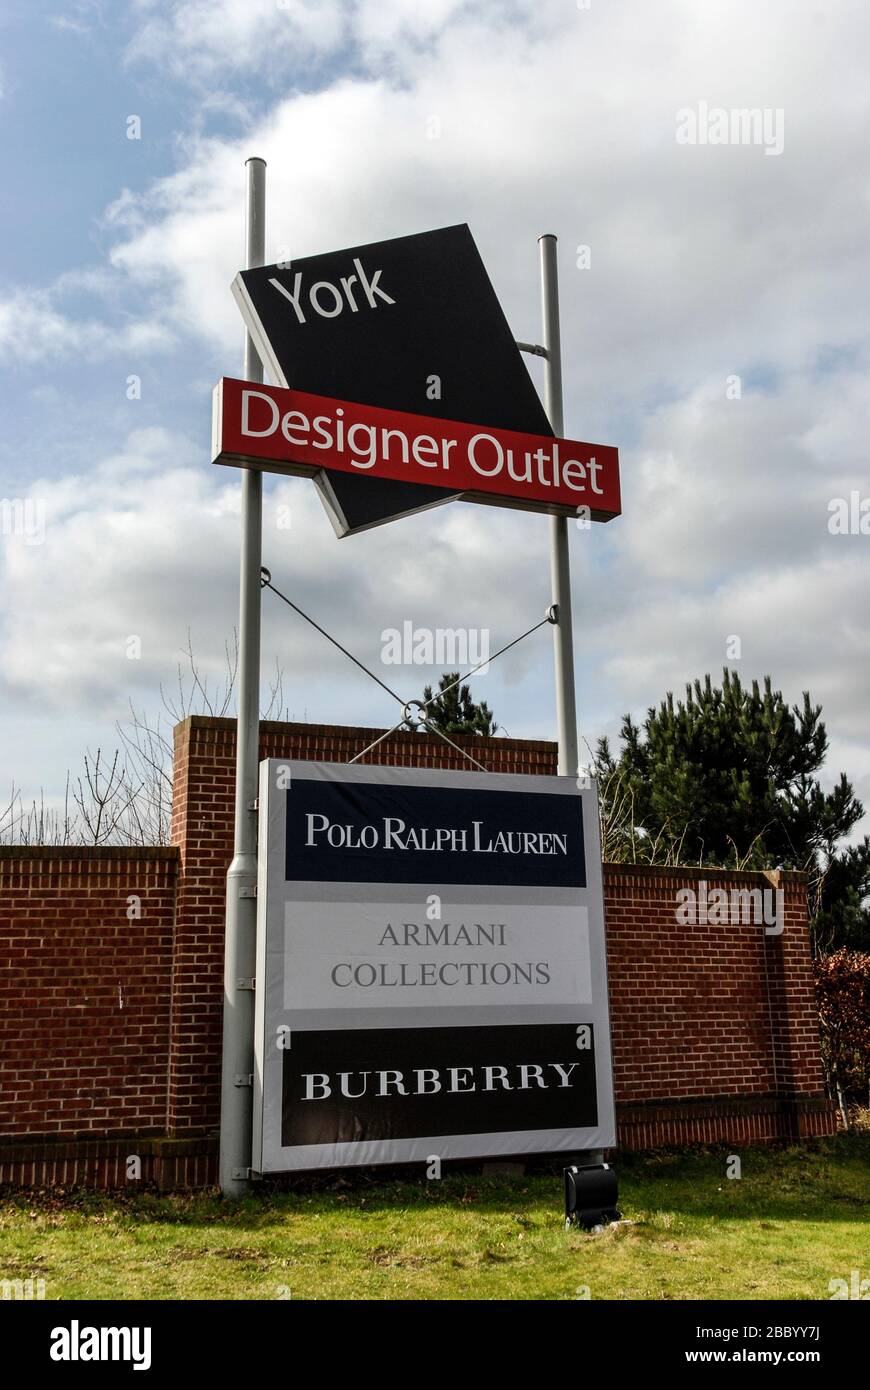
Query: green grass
{"x": 796, "y": 1219}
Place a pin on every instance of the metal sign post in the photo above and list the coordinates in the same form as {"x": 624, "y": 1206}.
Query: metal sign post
{"x": 560, "y": 565}
{"x": 241, "y": 919}
{"x": 560, "y": 555}
{"x": 337, "y": 318}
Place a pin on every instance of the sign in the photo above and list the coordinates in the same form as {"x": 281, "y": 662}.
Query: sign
{"x": 411, "y": 324}
{"x": 431, "y": 972}
{"x": 297, "y": 432}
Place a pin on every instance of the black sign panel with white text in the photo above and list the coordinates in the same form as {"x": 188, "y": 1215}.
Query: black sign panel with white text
{"x": 413, "y": 324}
{"x": 372, "y": 832}
{"x": 339, "y": 1086}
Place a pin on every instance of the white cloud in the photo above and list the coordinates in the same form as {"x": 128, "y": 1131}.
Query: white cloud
{"x": 196, "y": 37}
{"x": 706, "y": 262}
{"x": 32, "y": 330}
{"x": 146, "y": 544}
{"x": 201, "y": 38}
{"x": 719, "y": 486}
{"x": 80, "y": 17}
{"x": 725, "y": 535}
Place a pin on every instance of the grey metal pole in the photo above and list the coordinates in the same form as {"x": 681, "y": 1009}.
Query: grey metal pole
{"x": 241, "y": 920}
{"x": 560, "y": 566}
{"x": 560, "y": 570}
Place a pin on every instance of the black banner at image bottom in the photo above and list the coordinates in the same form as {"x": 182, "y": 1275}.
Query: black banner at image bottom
{"x": 406, "y": 1083}
{"x": 200, "y": 1338}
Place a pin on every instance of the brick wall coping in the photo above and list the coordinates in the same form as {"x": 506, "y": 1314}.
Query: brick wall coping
{"x": 350, "y": 732}
{"x": 53, "y": 1147}
{"x": 171, "y": 854}
{"x": 131, "y": 854}
{"x": 656, "y": 872}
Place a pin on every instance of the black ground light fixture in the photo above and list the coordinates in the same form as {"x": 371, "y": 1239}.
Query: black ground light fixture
{"x": 591, "y": 1195}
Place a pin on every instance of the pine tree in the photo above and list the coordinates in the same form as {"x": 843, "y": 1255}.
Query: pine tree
{"x": 455, "y": 712}
{"x": 727, "y": 777}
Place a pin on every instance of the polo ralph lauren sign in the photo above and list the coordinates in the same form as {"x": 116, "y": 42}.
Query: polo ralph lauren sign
{"x": 431, "y": 970}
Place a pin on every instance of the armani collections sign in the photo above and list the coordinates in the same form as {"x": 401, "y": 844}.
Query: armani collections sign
{"x": 431, "y": 975}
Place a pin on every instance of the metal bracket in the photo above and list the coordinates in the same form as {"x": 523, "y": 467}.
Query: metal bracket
{"x": 244, "y": 1080}
{"x": 534, "y": 348}
{"x": 553, "y": 613}
{"x": 410, "y": 716}
{"x": 246, "y": 982}
{"x": 248, "y": 892}
{"x": 254, "y": 805}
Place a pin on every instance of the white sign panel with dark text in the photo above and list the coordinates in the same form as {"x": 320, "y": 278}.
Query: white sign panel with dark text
{"x": 431, "y": 973}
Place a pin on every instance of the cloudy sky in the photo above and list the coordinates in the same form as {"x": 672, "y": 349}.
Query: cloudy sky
{"x": 716, "y": 331}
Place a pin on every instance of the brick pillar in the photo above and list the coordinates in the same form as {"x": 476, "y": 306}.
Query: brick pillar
{"x": 202, "y": 819}
{"x": 794, "y": 1012}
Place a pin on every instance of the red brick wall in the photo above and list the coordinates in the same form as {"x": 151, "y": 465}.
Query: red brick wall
{"x": 84, "y": 990}
{"x": 698, "y": 1013}
{"x": 710, "y": 1012}
{"x": 714, "y": 1027}
{"x": 707, "y": 1009}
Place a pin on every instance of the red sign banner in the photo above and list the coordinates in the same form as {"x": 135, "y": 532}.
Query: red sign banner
{"x": 295, "y": 432}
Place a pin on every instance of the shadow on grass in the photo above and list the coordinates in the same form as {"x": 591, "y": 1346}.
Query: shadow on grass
{"x": 825, "y": 1180}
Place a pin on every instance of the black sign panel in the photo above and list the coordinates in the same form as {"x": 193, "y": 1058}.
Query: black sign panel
{"x": 412, "y": 324}
{"x": 355, "y": 832}
{"x": 377, "y": 1084}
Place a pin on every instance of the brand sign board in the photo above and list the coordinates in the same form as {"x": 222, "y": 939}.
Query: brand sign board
{"x": 431, "y": 971}
{"x": 298, "y": 432}
{"x": 411, "y": 324}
